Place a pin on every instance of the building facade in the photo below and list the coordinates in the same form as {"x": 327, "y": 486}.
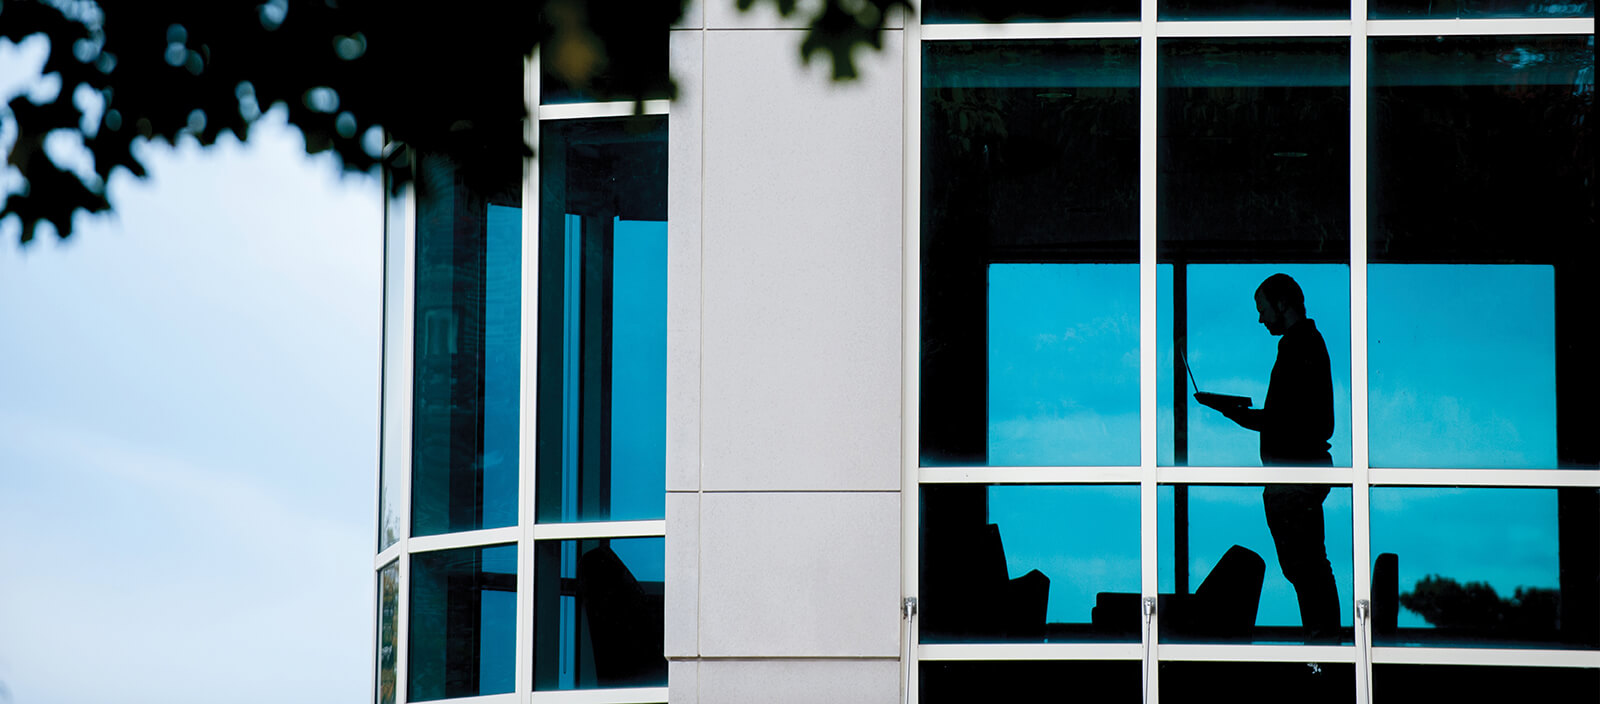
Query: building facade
{"x": 788, "y": 390}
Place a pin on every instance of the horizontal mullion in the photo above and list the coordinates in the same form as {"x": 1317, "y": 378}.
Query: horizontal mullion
{"x": 632, "y": 695}
{"x": 1255, "y": 653}
{"x": 1030, "y": 651}
{"x": 621, "y": 108}
{"x": 389, "y": 555}
{"x": 1028, "y": 475}
{"x": 599, "y": 529}
{"x": 1508, "y": 657}
{"x": 1268, "y": 28}
{"x": 465, "y": 539}
{"x": 1485, "y": 477}
{"x": 1522, "y": 25}
{"x": 1254, "y": 475}
{"x": 1031, "y": 30}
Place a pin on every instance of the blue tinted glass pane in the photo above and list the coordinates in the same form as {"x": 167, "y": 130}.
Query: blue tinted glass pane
{"x": 1102, "y": 682}
{"x": 1420, "y": 9}
{"x": 1462, "y": 365}
{"x": 1063, "y": 364}
{"x": 1472, "y": 138}
{"x": 602, "y": 317}
{"x": 1029, "y": 563}
{"x": 1229, "y": 351}
{"x": 1486, "y": 566}
{"x": 388, "y": 630}
{"x": 1030, "y": 199}
{"x": 394, "y": 459}
{"x": 1244, "y": 545}
{"x": 599, "y": 614}
{"x": 463, "y": 623}
{"x": 1458, "y": 683}
{"x": 1258, "y": 682}
{"x": 467, "y": 344}
{"x": 972, "y": 11}
{"x": 639, "y": 370}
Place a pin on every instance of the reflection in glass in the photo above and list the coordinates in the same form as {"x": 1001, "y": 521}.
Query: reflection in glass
{"x": 1486, "y": 566}
{"x": 1465, "y": 9}
{"x": 1030, "y": 178}
{"x": 1230, "y": 352}
{"x": 394, "y": 459}
{"x": 1063, "y": 364}
{"x": 602, "y": 336}
{"x": 1258, "y": 682}
{"x": 1258, "y": 563}
{"x": 1460, "y": 684}
{"x": 635, "y": 61}
{"x": 974, "y": 11}
{"x": 388, "y": 645}
{"x": 1102, "y": 682}
{"x": 463, "y": 623}
{"x": 599, "y": 614}
{"x": 1029, "y": 563}
{"x": 1427, "y": 333}
{"x": 1481, "y": 155}
{"x": 467, "y": 342}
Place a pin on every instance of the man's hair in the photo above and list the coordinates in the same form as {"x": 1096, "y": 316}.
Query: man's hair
{"x": 1281, "y": 289}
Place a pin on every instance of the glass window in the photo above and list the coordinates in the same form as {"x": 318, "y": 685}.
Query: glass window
{"x": 463, "y": 623}
{"x": 1464, "y": 9}
{"x": 394, "y": 458}
{"x": 1262, "y": 564}
{"x": 973, "y": 11}
{"x": 602, "y": 337}
{"x": 1486, "y": 566}
{"x": 1102, "y": 682}
{"x": 1253, "y": 182}
{"x": 467, "y": 341}
{"x": 1029, "y": 563}
{"x": 388, "y": 628}
{"x": 1029, "y": 243}
{"x": 1252, "y": 10}
{"x": 1258, "y": 682}
{"x": 1393, "y": 684}
{"x": 1481, "y": 205}
{"x": 635, "y": 57}
{"x": 599, "y": 614}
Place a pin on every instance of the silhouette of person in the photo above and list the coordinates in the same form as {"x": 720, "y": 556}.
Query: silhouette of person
{"x": 1295, "y": 423}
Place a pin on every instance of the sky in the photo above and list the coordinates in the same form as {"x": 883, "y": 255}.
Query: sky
{"x": 189, "y": 431}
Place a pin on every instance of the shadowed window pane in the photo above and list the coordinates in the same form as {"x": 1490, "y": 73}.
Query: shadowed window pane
{"x": 463, "y": 623}
{"x": 1029, "y": 239}
{"x": 1464, "y": 9}
{"x": 973, "y": 11}
{"x": 1258, "y": 682}
{"x": 1102, "y": 682}
{"x": 599, "y": 613}
{"x": 1029, "y": 563}
{"x": 1396, "y": 684}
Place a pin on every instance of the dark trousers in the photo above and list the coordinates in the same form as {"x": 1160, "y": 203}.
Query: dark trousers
{"x": 1294, "y": 515}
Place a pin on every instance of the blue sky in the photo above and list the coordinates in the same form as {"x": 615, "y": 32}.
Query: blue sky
{"x": 189, "y": 395}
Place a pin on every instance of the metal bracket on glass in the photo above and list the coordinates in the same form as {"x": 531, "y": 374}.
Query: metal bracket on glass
{"x": 908, "y": 608}
{"x": 1147, "y": 609}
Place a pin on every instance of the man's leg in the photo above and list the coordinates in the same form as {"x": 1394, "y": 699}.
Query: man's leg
{"x": 1294, "y": 515}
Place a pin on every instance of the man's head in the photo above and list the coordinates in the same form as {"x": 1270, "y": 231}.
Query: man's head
{"x": 1280, "y": 303}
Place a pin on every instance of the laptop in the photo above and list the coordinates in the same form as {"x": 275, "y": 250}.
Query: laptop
{"x": 1210, "y": 399}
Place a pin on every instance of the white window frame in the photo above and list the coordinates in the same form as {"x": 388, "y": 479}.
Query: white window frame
{"x": 525, "y": 534}
{"x": 1359, "y": 477}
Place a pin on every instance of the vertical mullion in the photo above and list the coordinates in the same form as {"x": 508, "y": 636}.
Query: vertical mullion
{"x": 1147, "y": 338}
{"x": 911, "y": 340}
{"x": 1360, "y": 504}
{"x": 405, "y": 369}
{"x": 528, "y": 393}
